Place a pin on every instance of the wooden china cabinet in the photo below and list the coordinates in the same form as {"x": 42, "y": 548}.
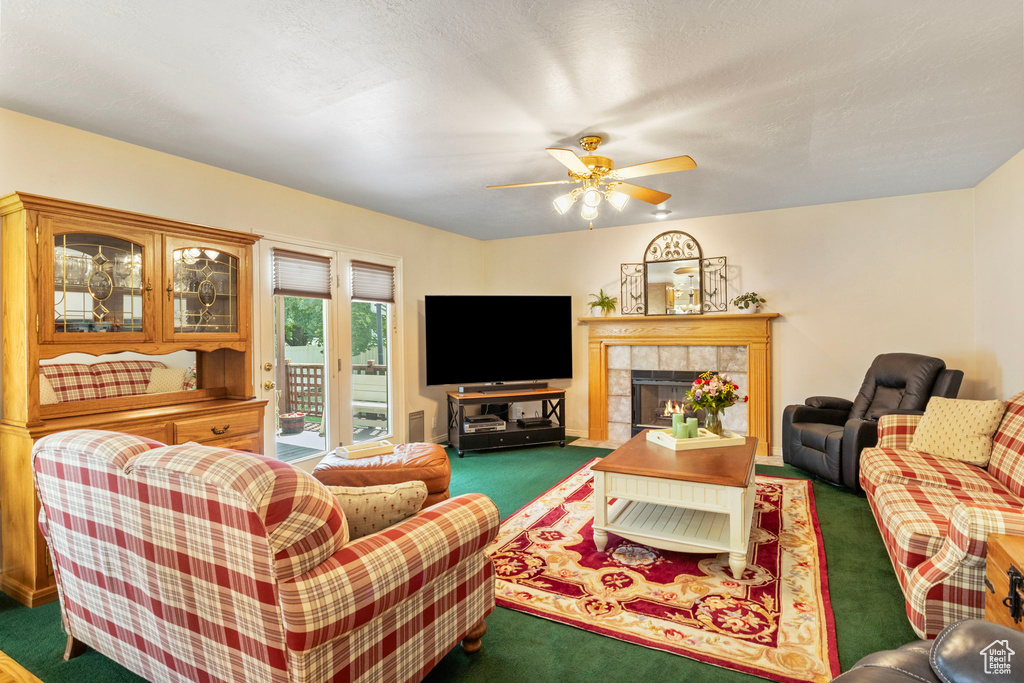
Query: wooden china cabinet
{"x": 86, "y": 279}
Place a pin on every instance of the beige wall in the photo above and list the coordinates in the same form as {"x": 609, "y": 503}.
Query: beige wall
{"x": 999, "y": 280}
{"x": 45, "y": 158}
{"x": 851, "y": 280}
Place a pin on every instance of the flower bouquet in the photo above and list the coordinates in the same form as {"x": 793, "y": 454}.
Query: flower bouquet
{"x": 713, "y": 393}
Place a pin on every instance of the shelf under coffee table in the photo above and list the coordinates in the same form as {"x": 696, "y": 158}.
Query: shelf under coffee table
{"x": 698, "y": 501}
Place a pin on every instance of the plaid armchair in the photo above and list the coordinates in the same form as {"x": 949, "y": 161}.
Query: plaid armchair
{"x": 187, "y": 563}
{"x": 935, "y": 515}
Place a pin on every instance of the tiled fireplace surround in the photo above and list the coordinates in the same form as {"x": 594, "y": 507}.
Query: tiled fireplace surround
{"x": 730, "y": 360}
{"x": 737, "y": 344}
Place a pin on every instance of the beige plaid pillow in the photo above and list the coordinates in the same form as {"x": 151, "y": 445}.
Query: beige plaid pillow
{"x": 958, "y": 429}
{"x": 372, "y": 508}
{"x": 47, "y": 396}
{"x": 162, "y": 380}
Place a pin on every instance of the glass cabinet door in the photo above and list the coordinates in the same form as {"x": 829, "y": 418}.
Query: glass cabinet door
{"x": 102, "y": 285}
{"x": 203, "y": 289}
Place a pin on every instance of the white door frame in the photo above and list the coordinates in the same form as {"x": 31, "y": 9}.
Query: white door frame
{"x": 339, "y": 338}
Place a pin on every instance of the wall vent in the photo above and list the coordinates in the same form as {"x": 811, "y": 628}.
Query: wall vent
{"x": 415, "y": 427}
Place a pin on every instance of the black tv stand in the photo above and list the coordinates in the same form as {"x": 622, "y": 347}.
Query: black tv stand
{"x": 553, "y": 407}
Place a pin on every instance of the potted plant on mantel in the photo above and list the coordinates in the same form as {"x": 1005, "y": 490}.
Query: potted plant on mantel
{"x": 750, "y": 302}
{"x": 604, "y": 303}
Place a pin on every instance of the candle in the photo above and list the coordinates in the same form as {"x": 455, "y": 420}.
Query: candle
{"x": 680, "y": 429}
{"x": 691, "y": 427}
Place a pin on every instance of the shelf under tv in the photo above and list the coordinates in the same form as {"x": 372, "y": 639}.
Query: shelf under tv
{"x": 552, "y": 407}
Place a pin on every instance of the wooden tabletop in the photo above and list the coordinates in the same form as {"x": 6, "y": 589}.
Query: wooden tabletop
{"x": 722, "y": 466}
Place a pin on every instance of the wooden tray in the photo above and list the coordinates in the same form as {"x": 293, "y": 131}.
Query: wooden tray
{"x": 704, "y": 439}
{"x": 365, "y": 450}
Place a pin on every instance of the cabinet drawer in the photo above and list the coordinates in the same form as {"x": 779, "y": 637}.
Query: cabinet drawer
{"x": 250, "y": 443}
{"x": 227, "y": 425}
{"x": 157, "y": 432}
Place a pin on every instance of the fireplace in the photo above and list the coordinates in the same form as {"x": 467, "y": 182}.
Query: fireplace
{"x": 657, "y": 394}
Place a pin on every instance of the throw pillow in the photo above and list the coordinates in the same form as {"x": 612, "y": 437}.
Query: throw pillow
{"x": 958, "y": 429}
{"x": 47, "y": 396}
{"x": 372, "y": 508}
{"x": 162, "y": 380}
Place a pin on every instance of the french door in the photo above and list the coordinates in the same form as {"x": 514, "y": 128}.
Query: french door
{"x": 326, "y": 361}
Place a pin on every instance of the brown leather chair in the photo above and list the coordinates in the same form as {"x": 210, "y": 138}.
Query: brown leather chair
{"x": 426, "y": 462}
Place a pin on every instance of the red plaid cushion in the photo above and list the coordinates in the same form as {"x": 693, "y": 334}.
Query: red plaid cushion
{"x": 387, "y": 567}
{"x": 897, "y": 431}
{"x": 1007, "y": 463}
{"x": 301, "y": 517}
{"x": 914, "y": 519}
{"x": 71, "y": 381}
{"x": 880, "y": 466}
{"x": 123, "y": 377}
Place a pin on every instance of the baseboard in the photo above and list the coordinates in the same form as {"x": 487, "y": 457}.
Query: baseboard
{"x": 776, "y": 450}
{"x": 580, "y": 433}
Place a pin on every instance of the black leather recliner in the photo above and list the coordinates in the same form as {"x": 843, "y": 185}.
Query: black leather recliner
{"x": 968, "y": 651}
{"x": 826, "y": 435}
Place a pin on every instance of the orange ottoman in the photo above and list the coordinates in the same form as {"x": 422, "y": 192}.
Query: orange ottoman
{"x": 426, "y": 462}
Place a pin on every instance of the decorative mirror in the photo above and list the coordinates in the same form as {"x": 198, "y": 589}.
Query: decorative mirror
{"x": 674, "y": 279}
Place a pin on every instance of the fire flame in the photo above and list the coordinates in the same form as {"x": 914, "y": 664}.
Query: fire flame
{"x": 671, "y": 408}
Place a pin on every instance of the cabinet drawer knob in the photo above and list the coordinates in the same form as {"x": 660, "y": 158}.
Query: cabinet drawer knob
{"x": 222, "y": 430}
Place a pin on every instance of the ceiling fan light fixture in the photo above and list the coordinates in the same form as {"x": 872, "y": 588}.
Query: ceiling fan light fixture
{"x": 591, "y": 197}
{"x": 660, "y": 214}
{"x": 563, "y": 202}
{"x": 588, "y": 213}
{"x": 617, "y": 199}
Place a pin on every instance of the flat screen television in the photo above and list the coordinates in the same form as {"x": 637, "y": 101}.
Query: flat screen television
{"x": 475, "y": 339}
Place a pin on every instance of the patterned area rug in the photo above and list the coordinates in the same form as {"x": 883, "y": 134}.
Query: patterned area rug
{"x": 775, "y": 622}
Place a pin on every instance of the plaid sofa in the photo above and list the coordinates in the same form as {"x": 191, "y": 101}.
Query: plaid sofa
{"x": 935, "y": 515}
{"x": 194, "y": 563}
{"x": 109, "y": 379}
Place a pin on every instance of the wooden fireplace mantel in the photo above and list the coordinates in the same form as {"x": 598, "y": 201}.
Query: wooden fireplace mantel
{"x": 752, "y": 330}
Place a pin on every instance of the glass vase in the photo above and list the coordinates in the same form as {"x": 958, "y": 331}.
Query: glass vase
{"x": 713, "y": 423}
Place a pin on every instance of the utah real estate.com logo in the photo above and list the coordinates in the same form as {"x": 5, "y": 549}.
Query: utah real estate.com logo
{"x": 997, "y": 657}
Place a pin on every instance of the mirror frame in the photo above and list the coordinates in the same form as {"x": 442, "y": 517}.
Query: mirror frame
{"x": 674, "y": 245}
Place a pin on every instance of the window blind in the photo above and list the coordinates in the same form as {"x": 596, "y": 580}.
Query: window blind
{"x": 304, "y": 275}
{"x": 373, "y": 282}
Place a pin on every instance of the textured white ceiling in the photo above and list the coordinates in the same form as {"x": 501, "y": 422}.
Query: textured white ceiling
{"x": 412, "y": 107}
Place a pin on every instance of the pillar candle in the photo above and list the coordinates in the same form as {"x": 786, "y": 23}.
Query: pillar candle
{"x": 691, "y": 427}
{"x": 680, "y": 429}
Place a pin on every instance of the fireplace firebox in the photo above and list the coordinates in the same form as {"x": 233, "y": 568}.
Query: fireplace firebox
{"x": 657, "y": 394}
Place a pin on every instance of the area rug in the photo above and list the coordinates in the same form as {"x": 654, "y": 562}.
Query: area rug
{"x": 774, "y": 622}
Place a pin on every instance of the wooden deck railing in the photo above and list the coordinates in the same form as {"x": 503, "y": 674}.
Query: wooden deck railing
{"x": 304, "y": 392}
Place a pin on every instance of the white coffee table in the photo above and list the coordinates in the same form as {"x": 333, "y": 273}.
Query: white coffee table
{"x": 698, "y": 501}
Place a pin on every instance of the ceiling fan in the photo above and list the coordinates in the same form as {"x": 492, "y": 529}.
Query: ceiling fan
{"x": 598, "y": 179}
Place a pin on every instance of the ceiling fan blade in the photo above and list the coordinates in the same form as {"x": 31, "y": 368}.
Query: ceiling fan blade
{"x": 546, "y": 182}
{"x": 644, "y": 194}
{"x": 683, "y": 163}
{"x": 568, "y": 158}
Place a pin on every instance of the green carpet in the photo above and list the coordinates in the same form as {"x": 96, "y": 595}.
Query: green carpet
{"x": 866, "y": 598}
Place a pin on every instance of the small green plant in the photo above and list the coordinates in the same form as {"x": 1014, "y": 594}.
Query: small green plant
{"x": 747, "y": 300}
{"x": 606, "y": 303}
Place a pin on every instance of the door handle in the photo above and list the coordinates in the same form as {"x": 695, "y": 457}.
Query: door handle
{"x": 270, "y": 384}
{"x": 170, "y": 290}
{"x": 268, "y": 366}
